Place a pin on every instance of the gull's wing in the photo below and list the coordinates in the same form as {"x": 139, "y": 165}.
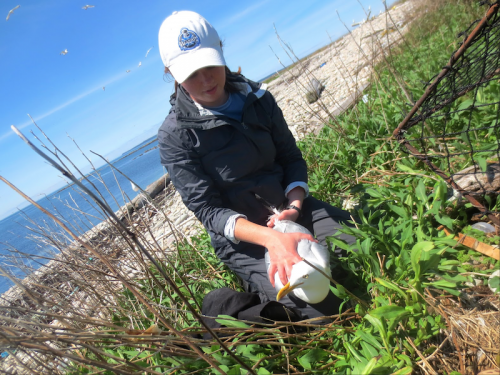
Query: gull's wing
{"x": 12, "y": 11}
{"x": 321, "y": 254}
{"x": 288, "y": 226}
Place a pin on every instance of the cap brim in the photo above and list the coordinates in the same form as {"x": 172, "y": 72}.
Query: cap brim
{"x": 188, "y": 63}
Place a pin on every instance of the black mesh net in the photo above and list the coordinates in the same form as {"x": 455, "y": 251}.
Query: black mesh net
{"x": 454, "y": 127}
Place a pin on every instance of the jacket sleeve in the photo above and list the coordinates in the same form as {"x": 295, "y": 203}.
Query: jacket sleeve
{"x": 288, "y": 154}
{"x": 196, "y": 188}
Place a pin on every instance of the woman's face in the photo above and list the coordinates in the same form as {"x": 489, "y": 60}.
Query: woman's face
{"x": 206, "y": 86}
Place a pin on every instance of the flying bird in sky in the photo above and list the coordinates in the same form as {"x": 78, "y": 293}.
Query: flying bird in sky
{"x": 12, "y": 11}
{"x": 147, "y": 52}
{"x": 87, "y": 7}
{"x": 128, "y": 71}
{"x": 103, "y": 88}
{"x": 140, "y": 63}
{"x": 64, "y": 52}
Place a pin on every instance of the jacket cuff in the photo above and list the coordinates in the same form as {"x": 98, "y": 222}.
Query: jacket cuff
{"x": 293, "y": 185}
{"x": 230, "y": 226}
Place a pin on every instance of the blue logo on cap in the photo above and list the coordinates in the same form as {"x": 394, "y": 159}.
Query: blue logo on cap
{"x": 188, "y": 39}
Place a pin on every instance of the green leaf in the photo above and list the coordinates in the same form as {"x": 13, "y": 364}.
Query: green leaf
{"x": 229, "y": 321}
{"x": 400, "y": 211}
{"x": 494, "y": 284}
{"x": 370, "y": 366}
{"x": 420, "y": 192}
{"x": 339, "y": 291}
{"x": 390, "y": 312}
{"x": 312, "y": 356}
{"x": 444, "y": 220}
{"x": 390, "y": 285}
{"x": 404, "y": 168}
{"x": 369, "y": 338}
{"x": 482, "y": 163}
{"x": 404, "y": 371}
{"x": 465, "y": 105}
{"x": 263, "y": 371}
{"x": 374, "y": 193}
{"x": 442, "y": 284}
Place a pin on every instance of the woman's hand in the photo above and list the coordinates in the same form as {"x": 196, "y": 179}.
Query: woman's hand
{"x": 282, "y": 247}
{"x": 283, "y": 254}
{"x": 290, "y": 214}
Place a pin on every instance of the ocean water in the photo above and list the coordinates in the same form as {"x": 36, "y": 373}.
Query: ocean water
{"x": 20, "y": 235}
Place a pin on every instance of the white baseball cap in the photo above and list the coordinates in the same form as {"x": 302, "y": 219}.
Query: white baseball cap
{"x": 188, "y": 42}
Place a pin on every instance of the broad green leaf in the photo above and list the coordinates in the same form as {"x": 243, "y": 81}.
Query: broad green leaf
{"x": 420, "y": 192}
{"x": 263, "y": 371}
{"x": 392, "y": 286}
{"x": 369, "y": 366}
{"x": 404, "y": 371}
{"x": 444, "y": 220}
{"x": 400, "y": 211}
{"x": 374, "y": 193}
{"x": 390, "y": 312}
{"x": 369, "y": 338}
{"x": 442, "y": 284}
{"x": 482, "y": 163}
{"x": 377, "y": 323}
{"x": 312, "y": 356}
{"x": 405, "y": 168}
{"x": 494, "y": 284}
{"x": 466, "y": 104}
{"x": 355, "y": 353}
{"x": 229, "y": 321}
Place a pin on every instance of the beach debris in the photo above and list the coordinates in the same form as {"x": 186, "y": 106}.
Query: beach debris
{"x": 322, "y": 65}
{"x": 64, "y": 52}
{"x": 88, "y": 7}
{"x": 147, "y": 52}
{"x": 484, "y": 227}
{"x": 134, "y": 186}
{"x": 365, "y": 98}
{"x": 315, "y": 89}
{"x": 140, "y": 63}
{"x": 12, "y": 11}
{"x": 363, "y": 21}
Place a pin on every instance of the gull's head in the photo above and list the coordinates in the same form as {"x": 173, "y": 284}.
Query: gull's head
{"x": 306, "y": 283}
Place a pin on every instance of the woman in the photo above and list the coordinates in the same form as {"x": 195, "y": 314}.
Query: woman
{"x": 226, "y": 140}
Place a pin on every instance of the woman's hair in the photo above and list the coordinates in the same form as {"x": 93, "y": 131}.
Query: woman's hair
{"x": 229, "y": 86}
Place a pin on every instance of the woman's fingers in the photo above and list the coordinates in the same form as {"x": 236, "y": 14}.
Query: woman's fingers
{"x": 283, "y": 275}
{"x": 271, "y": 272}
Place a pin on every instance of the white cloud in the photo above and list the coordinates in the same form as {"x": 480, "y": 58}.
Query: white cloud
{"x": 229, "y": 21}
{"x": 111, "y": 80}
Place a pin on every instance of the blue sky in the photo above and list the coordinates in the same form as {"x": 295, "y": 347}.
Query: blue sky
{"x": 64, "y": 93}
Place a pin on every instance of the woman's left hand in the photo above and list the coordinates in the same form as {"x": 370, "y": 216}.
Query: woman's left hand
{"x": 290, "y": 214}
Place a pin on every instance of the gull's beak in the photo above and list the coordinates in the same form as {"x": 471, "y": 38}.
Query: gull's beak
{"x": 285, "y": 290}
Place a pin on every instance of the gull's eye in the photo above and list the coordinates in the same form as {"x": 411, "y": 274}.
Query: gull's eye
{"x": 305, "y": 276}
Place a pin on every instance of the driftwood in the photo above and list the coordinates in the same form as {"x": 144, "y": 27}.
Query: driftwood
{"x": 152, "y": 191}
{"x": 474, "y": 180}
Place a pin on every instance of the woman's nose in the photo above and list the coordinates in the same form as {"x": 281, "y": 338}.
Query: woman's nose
{"x": 206, "y": 75}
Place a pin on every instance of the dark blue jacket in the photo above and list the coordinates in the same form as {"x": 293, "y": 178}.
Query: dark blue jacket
{"x": 218, "y": 164}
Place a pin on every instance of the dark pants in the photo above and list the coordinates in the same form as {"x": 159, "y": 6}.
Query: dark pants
{"x": 247, "y": 260}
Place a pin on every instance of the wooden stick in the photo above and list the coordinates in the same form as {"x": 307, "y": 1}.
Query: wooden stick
{"x": 474, "y": 244}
